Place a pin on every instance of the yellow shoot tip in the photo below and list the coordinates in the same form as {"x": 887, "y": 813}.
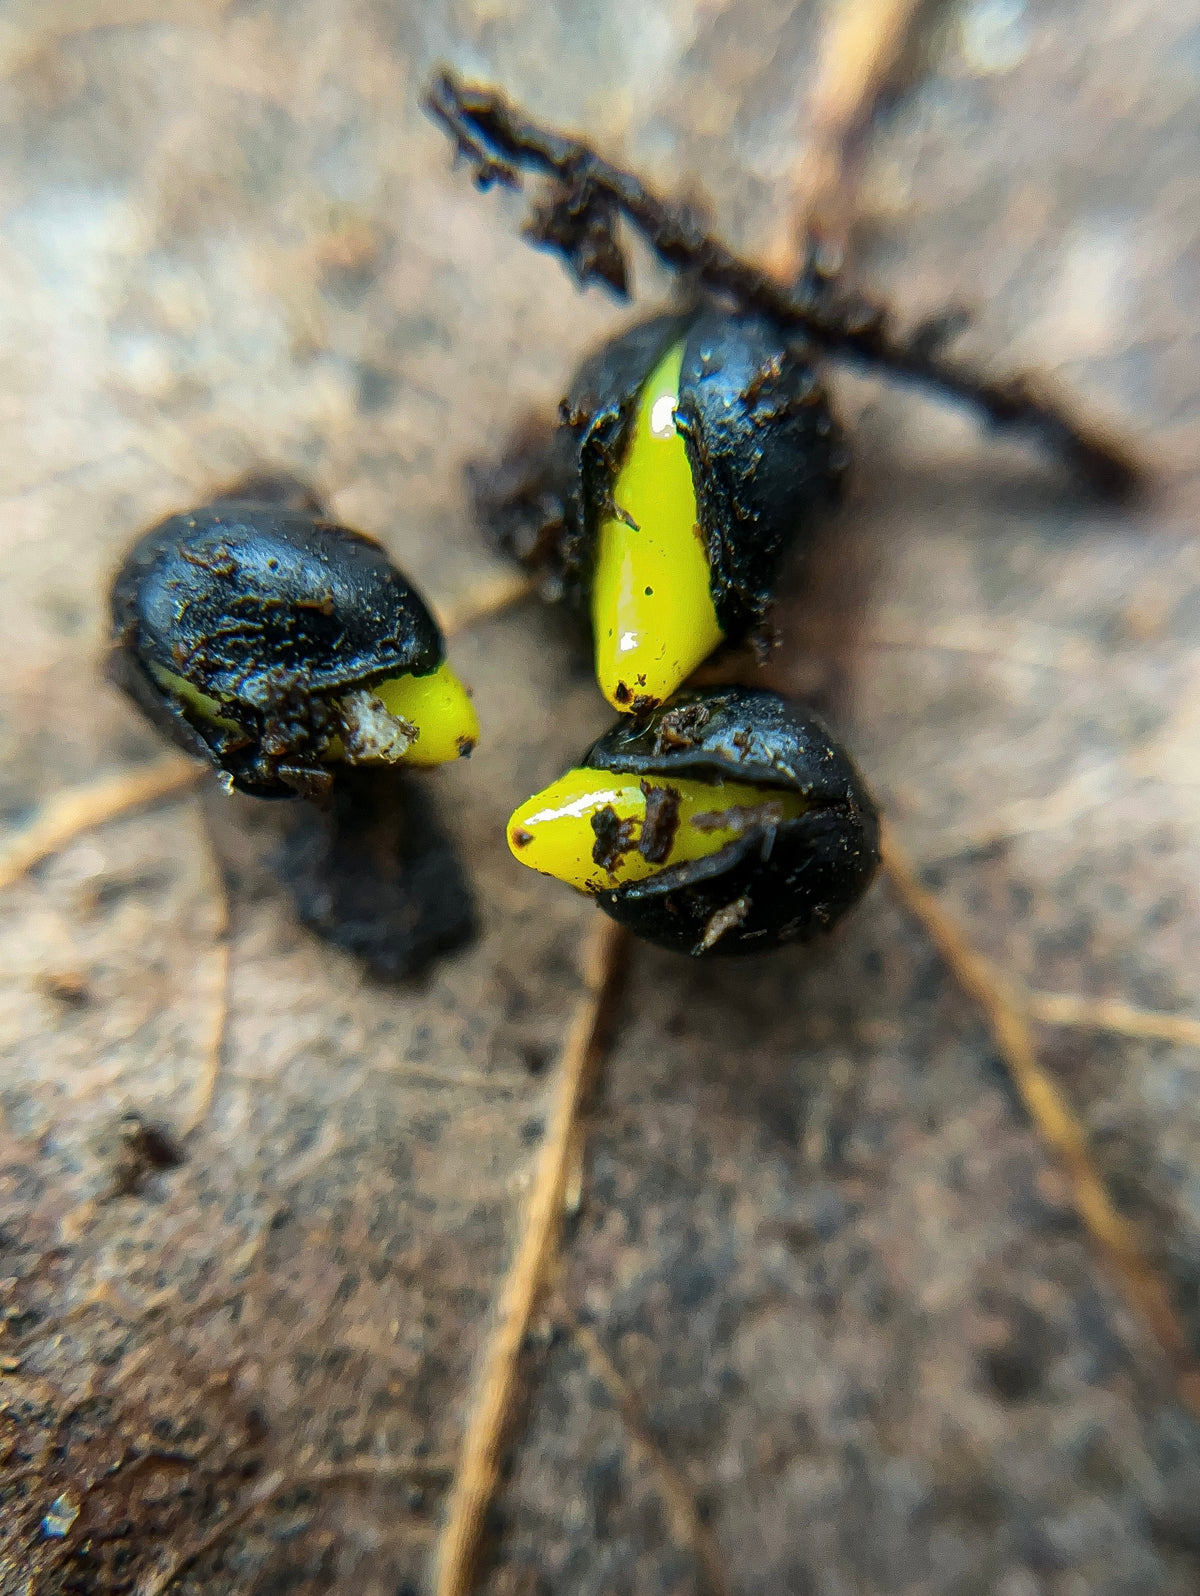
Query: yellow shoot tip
{"x": 653, "y": 618}
{"x": 595, "y": 830}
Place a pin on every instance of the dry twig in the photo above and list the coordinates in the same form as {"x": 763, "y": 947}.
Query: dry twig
{"x": 479, "y": 1463}
{"x": 579, "y": 219}
{"x": 862, "y": 57}
{"x": 1114, "y": 1017}
{"x": 81, "y": 808}
{"x": 214, "y": 1043}
{"x": 687, "y": 1527}
{"x": 1004, "y": 1006}
{"x": 491, "y": 596}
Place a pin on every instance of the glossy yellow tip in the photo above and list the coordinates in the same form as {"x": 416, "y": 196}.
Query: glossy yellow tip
{"x": 589, "y": 828}
{"x": 439, "y": 706}
{"x": 653, "y": 617}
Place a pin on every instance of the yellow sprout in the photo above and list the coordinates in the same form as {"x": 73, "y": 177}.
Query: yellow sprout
{"x": 653, "y": 617}
{"x": 590, "y": 827}
{"x": 439, "y": 706}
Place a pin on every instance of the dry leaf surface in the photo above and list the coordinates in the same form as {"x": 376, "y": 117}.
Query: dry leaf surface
{"x": 820, "y": 1253}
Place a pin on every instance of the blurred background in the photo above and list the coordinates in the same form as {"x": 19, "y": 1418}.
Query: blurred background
{"x": 825, "y": 1321}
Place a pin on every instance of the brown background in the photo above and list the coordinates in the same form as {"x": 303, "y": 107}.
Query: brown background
{"x": 819, "y": 1243}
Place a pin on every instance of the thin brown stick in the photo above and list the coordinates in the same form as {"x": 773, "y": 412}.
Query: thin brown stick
{"x": 688, "y": 1529}
{"x": 274, "y": 1486}
{"x": 81, "y": 808}
{"x": 1146, "y": 1292}
{"x": 579, "y": 219}
{"x": 213, "y": 1049}
{"x": 487, "y": 598}
{"x": 1110, "y": 1014}
{"x": 214, "y": 1042}
{"x": 479, "y": 1462}
{"x": 861, "y": 55}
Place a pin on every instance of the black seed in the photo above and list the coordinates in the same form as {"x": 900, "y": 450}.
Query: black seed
{"x": 267, "y": 607}
{"x": 766, "y": 458}
{"x": 781, "y": 880}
